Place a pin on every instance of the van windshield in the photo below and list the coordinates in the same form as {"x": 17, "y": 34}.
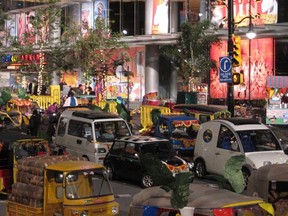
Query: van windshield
{"x": 258, "y": 140}
{"x": 87, "y": 184}
{"x": 108, "y": 131}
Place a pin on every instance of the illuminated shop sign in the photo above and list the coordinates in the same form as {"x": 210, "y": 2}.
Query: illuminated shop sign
{"x": 20, "y": 58}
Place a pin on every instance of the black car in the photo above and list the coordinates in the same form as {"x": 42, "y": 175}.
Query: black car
{"x": 122, "y": 160}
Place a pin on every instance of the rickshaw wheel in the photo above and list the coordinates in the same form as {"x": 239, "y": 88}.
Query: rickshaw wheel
{"x": 246, "y": 173}
{"x": 111, "y": 173}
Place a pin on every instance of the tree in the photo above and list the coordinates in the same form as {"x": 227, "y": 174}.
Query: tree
{"x": 191, "y": 54}
{"x": 99, "y": 52}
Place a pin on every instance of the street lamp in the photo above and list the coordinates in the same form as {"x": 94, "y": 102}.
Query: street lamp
{"x": 251, "y": 34}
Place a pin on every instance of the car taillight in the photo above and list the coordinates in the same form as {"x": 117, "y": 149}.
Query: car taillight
{"x": 183, "y": 167}
{"x": 170, "y": 167}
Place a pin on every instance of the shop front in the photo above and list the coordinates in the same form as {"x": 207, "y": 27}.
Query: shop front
{"x": 277, "y": 104}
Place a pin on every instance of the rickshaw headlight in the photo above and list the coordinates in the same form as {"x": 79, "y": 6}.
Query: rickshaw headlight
{"x": 115, "y": 210}
{"x": 84, "y": 213}
{"x": 77, "y": 213}
{"x": 267, "y": 163}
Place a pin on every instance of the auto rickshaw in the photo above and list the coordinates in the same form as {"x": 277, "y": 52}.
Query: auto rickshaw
{"x": 204, "y": 200}
{"x": 202, "y": 112}
{"x": 15, "y": 146}
{"x": 24, "y": 106}
{"x": 11, "y": 119}
{"x": 270, "y": 183}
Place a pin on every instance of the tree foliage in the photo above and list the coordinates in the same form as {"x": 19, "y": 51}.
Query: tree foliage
{"x": 191, "y": 54}
{"x": 95, "y": 51}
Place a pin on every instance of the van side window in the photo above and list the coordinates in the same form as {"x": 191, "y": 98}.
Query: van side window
{"x": 75, "y": 128}
{"x": 62, "y": 126}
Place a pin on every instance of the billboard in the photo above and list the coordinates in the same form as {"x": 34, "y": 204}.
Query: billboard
{"x": 263, "y": 12}
{"x": 160, "y": 19}
{"x": 257, "y": 64}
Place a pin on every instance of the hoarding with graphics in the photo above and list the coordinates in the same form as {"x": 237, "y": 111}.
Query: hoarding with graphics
{"x": 264, "y": 12}
{"x": 257, "y": 64}
{"x": 160, "y": 16}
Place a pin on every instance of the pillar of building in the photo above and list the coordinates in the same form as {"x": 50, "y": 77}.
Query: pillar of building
{"x": 151, "y": 69}
{"x": 148, "y": 17}
{"x": 173, "y": 82}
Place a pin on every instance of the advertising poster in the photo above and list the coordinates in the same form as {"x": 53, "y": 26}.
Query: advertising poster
{"x": 266, "y": 11}
{"x": 20, "y": 21}
{"x": 5, "y": 79}
{"x": 118, "y": 85}
{"x": 11, "y": 26}
{"x": 100, "y": 9}
{"x": 70, "y": 78}
{"x": 160, "y": 19}
{"x": 29, "y": 29}
{"x": 86, "y": 17}
{"x": 261, "y": 66}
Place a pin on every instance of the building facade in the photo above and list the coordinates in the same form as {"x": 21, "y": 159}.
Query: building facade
{"x": 149, "y": 24}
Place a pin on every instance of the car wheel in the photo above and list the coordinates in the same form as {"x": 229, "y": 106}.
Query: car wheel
{"x": 246, "y": 174}
{"x": 200, "y": 168}
{"x": 110, "y": 172}
{"x": 146, "y": 181}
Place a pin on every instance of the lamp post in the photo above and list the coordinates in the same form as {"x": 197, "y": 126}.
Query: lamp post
{"x": 230, "y": 89}
{"x": 250, "y": 34}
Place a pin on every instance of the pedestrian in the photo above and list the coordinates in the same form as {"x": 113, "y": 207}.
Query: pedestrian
{"x": 71, "y": 100}
{"x": 52, "y": 109}
{"x": 34, "y": 123}
{"x": 79, "y": 90}
{"x": 90, "y": 91}
{"x": 70, "y": 91}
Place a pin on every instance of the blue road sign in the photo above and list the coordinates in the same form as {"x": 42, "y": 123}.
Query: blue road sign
{"x": 225, "y": 69}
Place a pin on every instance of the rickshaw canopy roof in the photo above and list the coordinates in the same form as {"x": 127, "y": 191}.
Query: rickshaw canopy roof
{"x": 10, "y": 136}
{"x": 69, "y": 166}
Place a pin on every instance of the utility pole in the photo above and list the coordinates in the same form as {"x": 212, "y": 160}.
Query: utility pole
{"x": 230, "y": 90}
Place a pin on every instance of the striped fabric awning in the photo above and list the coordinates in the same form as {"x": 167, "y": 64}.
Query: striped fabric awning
{"x": 277, "y": 81}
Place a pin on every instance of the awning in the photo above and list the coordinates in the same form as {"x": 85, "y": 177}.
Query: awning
{"x": 277, "y": 81}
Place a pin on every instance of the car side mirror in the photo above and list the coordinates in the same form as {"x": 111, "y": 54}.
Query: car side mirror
{"x": 89, "y": 138}
{"x": 286, "y": 151}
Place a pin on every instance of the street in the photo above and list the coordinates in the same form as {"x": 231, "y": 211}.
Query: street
{"x": 123, "y": 191}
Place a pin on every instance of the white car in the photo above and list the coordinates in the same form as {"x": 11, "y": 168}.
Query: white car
{"x": 220, "y": 139}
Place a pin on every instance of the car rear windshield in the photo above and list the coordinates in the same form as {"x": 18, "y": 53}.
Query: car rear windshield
{"x": 156, "y": 148}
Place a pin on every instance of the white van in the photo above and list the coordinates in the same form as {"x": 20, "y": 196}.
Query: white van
{"x": 89, "y": 134}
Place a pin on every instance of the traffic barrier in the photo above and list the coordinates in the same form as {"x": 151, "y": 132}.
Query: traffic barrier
{"x": 44, "y": 101}
{"x": 145, "y": 114}
{"x": 112, "y": 105}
